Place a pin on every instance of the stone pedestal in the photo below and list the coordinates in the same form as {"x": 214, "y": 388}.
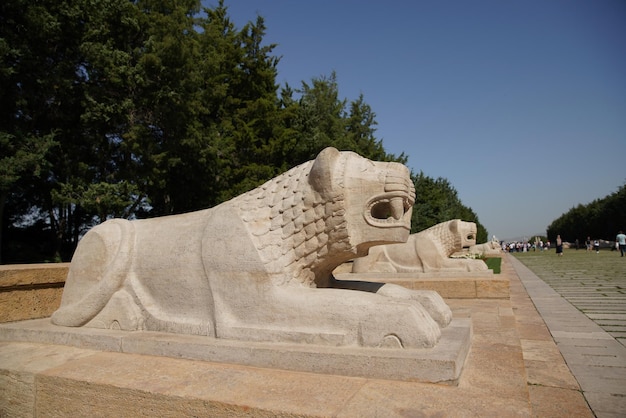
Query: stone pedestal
{"x": 443, "y": 363}
{"x": 461, "y": 285}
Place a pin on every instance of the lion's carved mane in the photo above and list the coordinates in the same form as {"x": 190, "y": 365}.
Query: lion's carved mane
{"x": 304, "y": 226}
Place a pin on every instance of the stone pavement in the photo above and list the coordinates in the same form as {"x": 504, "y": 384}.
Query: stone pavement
{"x": 595, "y": 283}
{"x": 595, "y": 358}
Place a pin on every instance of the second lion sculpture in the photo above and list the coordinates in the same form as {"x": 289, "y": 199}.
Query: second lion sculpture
{"x": 259, "y": 267}
{"x": 427, "y": 251}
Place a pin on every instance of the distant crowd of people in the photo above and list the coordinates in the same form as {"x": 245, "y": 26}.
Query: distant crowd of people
{"x": 525, "y": 246}
{"x": 589, "y": 245}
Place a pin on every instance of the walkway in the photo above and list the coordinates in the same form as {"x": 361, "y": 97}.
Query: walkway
{"x": 595, "y": 358}
{"x": 595, "y": 283}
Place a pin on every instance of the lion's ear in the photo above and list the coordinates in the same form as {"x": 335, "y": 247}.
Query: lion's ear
{"x": 321, "y": 175}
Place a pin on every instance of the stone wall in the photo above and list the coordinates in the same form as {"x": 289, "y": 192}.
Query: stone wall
{"x": 30, "y": 291}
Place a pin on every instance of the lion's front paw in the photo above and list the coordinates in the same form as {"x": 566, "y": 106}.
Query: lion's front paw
{"x": 429, "y": 299}
{"x": 434, "y": 305}
{"x": 476, "y": 265}
{"x": 398, "y": 324}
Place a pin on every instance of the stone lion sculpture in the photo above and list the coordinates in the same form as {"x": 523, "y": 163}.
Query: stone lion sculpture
{"x": 492, "y": 247}
{"x": 258, "y": 267}
{"x": 425, "y": 252}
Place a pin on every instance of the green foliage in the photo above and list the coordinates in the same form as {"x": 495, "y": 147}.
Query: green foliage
{"x": 104, "y": 200}
{"x": 144, "y": 108}
{"x": 600, "y": 219}
{"x": 319, "y": 119}
{"x": 437, "y": 201}
{"x": 22, "y": 157}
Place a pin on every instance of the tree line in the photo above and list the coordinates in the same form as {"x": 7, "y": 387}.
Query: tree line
{"x": 601, "y": 219}
{"x": 145, "y": 108}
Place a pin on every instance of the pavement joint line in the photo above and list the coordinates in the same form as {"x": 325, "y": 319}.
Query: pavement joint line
{"x": 582, "y": 335}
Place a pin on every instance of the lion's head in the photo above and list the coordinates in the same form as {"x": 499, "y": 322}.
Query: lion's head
{"x": 467, "y": 232}
{"x": 377, "y": 197}
{"x": 325, "y": 212}
{"x": 453, "y": 235}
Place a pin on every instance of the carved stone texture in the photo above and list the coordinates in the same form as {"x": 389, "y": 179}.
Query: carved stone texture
{"x": 258, "y": 267}
{"x": 427, "y": 251}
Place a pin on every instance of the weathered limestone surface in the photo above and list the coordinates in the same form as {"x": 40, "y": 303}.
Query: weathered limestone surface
{"x": 258, "y": 267}
{"x": 428, "y": 251}
{"x": 29, "y": 291}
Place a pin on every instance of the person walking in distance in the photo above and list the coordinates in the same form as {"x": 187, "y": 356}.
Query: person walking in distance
{"x": 559, "y": 245}
{"x": 621, "y": 241}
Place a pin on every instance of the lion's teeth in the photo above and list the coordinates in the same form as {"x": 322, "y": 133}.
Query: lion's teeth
{"x": 397, "y": 208}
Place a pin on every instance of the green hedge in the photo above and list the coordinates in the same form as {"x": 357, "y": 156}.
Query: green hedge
{"x": 494, "y": 264}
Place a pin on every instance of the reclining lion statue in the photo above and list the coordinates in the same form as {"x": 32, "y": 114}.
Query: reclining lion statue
{"x": 485, "y": 249}
{"x": 258, "y": 267}
{"x": 427, "y": 251}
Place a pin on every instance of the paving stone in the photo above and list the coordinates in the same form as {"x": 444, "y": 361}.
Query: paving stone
{"x": 610, "y": 380}
{"x": 558, "y": 402}
{"x": 605, "y": 406}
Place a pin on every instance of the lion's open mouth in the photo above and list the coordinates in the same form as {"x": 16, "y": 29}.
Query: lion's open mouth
{"x": 389, "y": 209}
{"x": 470, "y": 239}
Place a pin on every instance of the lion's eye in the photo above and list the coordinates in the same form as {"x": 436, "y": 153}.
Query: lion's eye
{"x": 470, "y": 237}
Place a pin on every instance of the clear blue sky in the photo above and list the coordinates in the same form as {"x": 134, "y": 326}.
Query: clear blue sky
{"x": 521, "y": 105}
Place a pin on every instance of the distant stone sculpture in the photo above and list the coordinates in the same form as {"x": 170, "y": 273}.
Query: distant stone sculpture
{"x": 258, "y": 267}
{"x": 425, "y": 252}
{"x": 492, "y": 247}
